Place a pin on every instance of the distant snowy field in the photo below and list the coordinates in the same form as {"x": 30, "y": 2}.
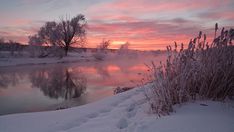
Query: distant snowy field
{"x": 125, "y": 112}
{"x": 72, "y": 57}
{"x": 7, "y": 60}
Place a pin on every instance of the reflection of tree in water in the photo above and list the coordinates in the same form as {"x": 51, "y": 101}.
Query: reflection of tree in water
{"x": 59, "y": 83}
{"x": 7, "y": 79}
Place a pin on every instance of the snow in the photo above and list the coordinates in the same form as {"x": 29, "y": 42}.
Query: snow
{"x": 125, "y": 112}
{"x": 73, "y": 57}
{"x": 15, "y": 61}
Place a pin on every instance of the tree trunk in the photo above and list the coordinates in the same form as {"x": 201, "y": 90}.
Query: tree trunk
{"x": 66, "y": 50}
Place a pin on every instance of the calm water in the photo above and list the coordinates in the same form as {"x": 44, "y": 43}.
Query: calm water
{"x": 54, "y": 86}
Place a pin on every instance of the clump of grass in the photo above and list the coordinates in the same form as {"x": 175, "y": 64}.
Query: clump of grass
{"x": 203, "y": 70}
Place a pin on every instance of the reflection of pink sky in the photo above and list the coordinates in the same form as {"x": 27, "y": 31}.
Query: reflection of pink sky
{"x": 88, "y": 70}
{"x": 116, "y": 78}
{"x": 139, "y": 68}
{"x": 10, "y": 90}
{"x": 113, "y": 68}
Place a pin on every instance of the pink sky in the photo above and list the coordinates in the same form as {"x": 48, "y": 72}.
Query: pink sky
{"x": 146, "y": 24}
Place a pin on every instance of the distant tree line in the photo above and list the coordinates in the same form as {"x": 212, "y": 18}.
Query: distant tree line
{"x": 55, "y": 39}
{"x": 15, "y": 48}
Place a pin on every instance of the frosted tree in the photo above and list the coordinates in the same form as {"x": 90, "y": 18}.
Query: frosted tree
{"x": 64, "y": 33}
{"x": 124, "y": 48}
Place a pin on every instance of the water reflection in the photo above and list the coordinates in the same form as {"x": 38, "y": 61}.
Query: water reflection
{"x": 7, "y": 79}
{"x": 39, "y": 87}
{"x": 59, "y": 82}
{"x": 102, "y": 70}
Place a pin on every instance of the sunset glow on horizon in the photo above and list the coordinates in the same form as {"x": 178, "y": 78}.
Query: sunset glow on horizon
{"x": 145, "y": 24}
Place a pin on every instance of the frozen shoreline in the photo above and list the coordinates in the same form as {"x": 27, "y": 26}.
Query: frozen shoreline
{"x": 4, "y": 62}
{"x": 71, "y": 58}
{"x": 128, "y": 111}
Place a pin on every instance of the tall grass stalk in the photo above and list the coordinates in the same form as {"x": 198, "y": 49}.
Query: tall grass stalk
{"x": 203, "y": 70}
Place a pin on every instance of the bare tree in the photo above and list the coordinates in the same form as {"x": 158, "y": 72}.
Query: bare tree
{"x": 73, "y": 31}
{"x": 104, "y": 45}
{"x": 64, "y": 33}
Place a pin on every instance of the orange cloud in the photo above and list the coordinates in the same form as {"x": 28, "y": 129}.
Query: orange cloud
{"x": 146, "y": 24}
{"x": 147, "y": 35}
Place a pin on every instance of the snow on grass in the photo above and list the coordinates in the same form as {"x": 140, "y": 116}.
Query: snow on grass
{"x": 127, "y": 112}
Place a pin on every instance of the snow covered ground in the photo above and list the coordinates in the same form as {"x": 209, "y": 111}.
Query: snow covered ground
{"x": 125, "y": 112}
{"x": 49, "y": 60}
{"x": 72, "y": 57}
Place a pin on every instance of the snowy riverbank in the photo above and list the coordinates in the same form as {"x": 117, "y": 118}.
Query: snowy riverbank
{"x": 16, "y": 61}
{"x": 128, "y": 112}
{"x": 76, "y": 57}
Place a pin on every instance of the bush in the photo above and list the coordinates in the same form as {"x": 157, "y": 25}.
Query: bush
{"x": 102, "y": 50}
{"x": 124, "y": 49}
{"x": 201, "y": 71}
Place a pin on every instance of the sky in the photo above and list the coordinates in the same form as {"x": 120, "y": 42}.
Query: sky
{"x": 145, "y": 24}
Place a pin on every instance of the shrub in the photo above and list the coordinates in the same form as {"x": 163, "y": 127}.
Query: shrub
{"x": 102, "y": 50}
{"x": 201, "y": 71}
{"x": 124, "y": 49}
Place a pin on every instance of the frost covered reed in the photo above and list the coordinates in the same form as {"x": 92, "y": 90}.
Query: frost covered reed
{"x": 202, "y": 71}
